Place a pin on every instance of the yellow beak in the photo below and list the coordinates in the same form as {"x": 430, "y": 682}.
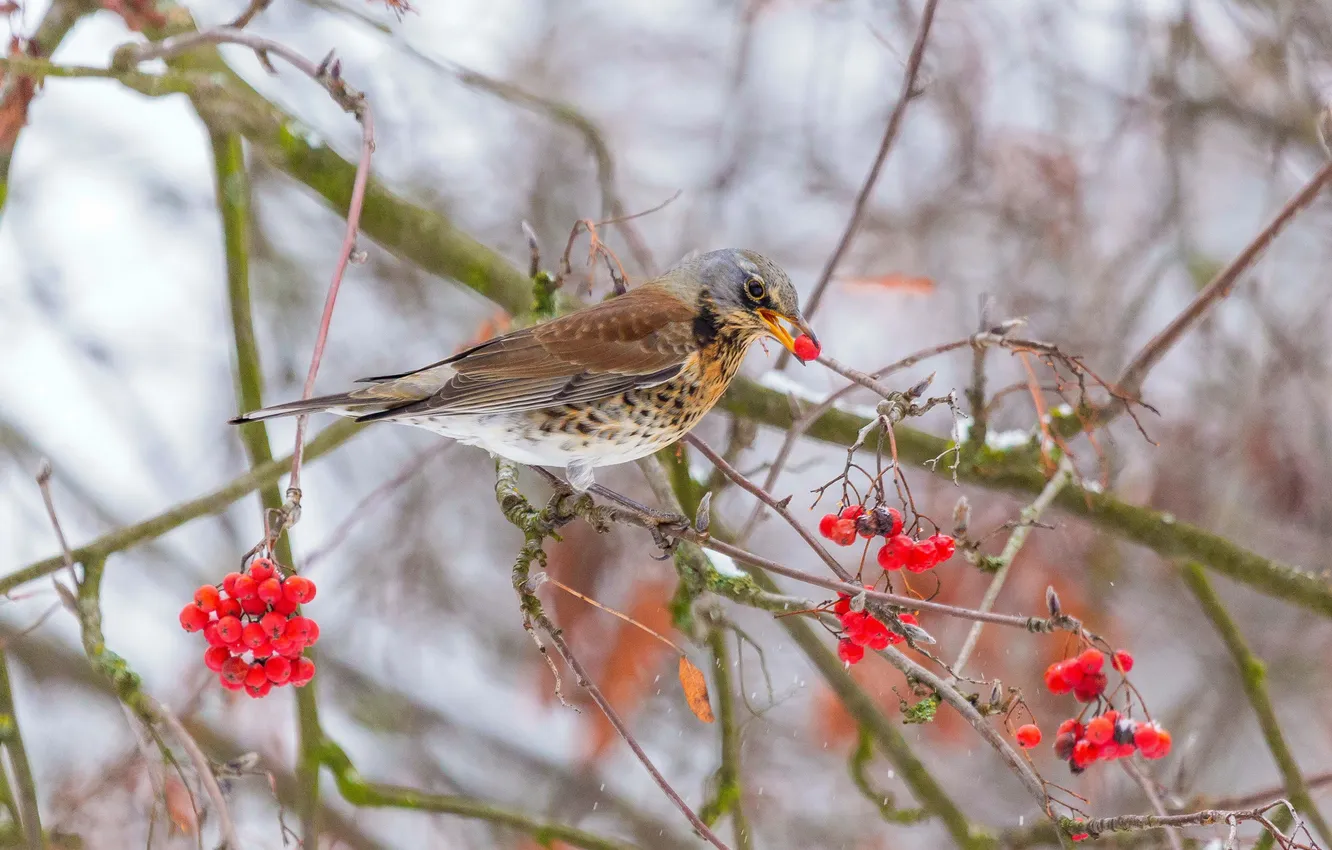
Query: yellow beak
{"x": 773, "y": 321}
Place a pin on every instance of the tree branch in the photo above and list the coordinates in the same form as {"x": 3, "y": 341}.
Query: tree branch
{"x": 1253, "y": 679}
{"x": 12, "y": 737}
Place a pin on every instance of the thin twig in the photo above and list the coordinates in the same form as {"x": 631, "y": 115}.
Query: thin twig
{"x": 202, "y": 767}
{"x": 327, "y": 75}
{"x": 905, "y": 95}
{"x": 766, "y": 498}
{"x": 1153, "y": 799}
{"x": 1135, "y": 373}
{"x": 1026, "y": 521}
{"x": 44, "y": 472}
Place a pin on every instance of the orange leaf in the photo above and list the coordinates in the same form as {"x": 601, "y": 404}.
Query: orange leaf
{"x": 695, "y": 686}
{"x": 180, "y": 805}
{"x": 905, "y": 283}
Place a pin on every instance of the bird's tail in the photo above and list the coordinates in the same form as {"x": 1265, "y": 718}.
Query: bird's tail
{"x": 343, "y": 404}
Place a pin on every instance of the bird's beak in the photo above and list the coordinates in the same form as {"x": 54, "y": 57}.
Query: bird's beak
{"x": 779, "y": 332}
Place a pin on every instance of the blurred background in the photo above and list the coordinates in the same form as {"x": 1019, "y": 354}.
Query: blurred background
{"x": 1087, "y": 164}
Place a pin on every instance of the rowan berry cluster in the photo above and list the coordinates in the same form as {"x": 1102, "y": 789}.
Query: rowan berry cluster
{"x": 899, "y": 551}
{"x": 255, "y": 635}
{"x": 1107, "y": 736}
{"x": 861, "y": 629}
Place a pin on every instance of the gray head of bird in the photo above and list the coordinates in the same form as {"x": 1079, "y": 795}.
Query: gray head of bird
{"x": 740, "y": 296}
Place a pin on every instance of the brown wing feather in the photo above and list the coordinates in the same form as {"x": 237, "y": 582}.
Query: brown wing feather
{"x": 639, "y": 339}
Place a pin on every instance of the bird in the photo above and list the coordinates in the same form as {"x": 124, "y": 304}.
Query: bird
{"x": 606, "y": 384}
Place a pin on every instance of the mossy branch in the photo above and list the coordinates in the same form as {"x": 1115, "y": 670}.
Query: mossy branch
{"x": 11, "y": 737}
{"x": 1253, "y": 678}
{"x": 233, "y": 202}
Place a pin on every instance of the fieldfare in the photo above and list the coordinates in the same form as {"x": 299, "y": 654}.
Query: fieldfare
{"x": 608, "y": 384}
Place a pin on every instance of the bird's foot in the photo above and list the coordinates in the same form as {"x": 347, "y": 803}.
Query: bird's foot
{"x": 664, "y": 526}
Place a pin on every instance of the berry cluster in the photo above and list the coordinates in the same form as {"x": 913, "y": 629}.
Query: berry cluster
{"x": 1108, "y": 735}
{"x": 862, "y": 629}
{"x": 899, "y": 551}
{"x": 254, "y": 614}
{"x": 805, "y": 348}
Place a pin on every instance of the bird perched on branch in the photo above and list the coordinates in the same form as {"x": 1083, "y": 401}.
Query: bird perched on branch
{"x": 608, "y": 384}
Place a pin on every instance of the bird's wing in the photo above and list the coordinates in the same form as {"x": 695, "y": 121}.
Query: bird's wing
{"x": 639, "y": 339}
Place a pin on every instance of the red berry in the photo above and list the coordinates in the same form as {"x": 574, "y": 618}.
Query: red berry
{"x": 274, "y": 624}
{"x": 255, "y": 675}
{"x": 229, "y": 629}
{"x": 843, "y": 532}
{"x": 854, "y": 627}
{"x": 229, "y": 584}
{"x": 228, "y": 607}
{"x": 207, "y": 597}
{"x": 253, "y": 635}
{"x": 243, "y": 587}
{"x": 944, "y": 547}
{"x": 278, "y": 669}
{"x": 1122, "y": 660}
{"x": 1081, "y": 836}
{"x": 213, "y": 636}
{"x": 896, "y": 516}
{"x": 1091, "y": 661}
{"x": 285, "y": 606}
{"x": 1162, "y": 748}
{"x": 215, "y": 657}
{"x": 193, "y": 618}
{"x": 264, "y": 649}
{"x": 261, "y": 569}
{"x": 269, "y": 590}
{"x": 260, "y": 691}
{"x": 299, "y": 629}
{"x": 302, "y": 671}
{"x": 805, "y": 348}
{"x": 254, "y": 606}
{"x": 1100, "y": 730}
{"x": 850, "y": 653}
{"x": 921, "y": 557}
{"x": 288, "y": 648}
{"x": 1071, "y": 725}
{"x": 1084, "y": 753}
{"x": 879, "y": 637}
{"x": 826, "y": 525}
{"x": 1056, "y": 678}
{"x": 298, "y": 589}
{"x": 1090, "y": 687}
{"x": 842, "y": 605}
{"x": 1028, "y": 736}
{"x": 893, "y": 555}
{"x": 313, "y": 636}
{"x": 234, "y": 670}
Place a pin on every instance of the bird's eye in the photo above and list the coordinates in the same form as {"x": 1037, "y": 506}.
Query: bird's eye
{"x": 755, "y": 289}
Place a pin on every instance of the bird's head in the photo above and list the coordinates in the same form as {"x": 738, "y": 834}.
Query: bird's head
{"x": 744, "y": 295}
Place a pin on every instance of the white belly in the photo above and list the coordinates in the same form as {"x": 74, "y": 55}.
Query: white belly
{"x": 502, "y": 435}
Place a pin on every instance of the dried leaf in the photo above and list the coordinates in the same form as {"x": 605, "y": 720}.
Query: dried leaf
{"x": 905, "y": 283}
{"x": 179, "y": 805}
{"x": 695, "y": 686}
